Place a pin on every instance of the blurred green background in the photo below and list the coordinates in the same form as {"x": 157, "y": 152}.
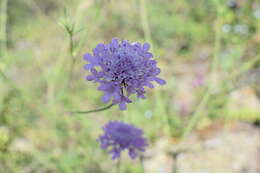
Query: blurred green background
{"x": 208, "y": 51}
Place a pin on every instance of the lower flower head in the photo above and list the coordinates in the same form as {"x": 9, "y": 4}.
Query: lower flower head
{"x": 119, "y": 136}
{"x": 122, "y": 69}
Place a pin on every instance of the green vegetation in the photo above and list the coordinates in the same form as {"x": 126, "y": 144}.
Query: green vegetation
{"x": 208, "y": 51}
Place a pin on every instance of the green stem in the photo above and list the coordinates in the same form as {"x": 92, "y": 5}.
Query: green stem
{"x": 3, "y": 21}
{"x": 94, "y": 110}
{"x": 144, "y": 21}
{"x": 248, "y": 65}
{"x": 169, "y": 122}
{"x": 141, "y": 159}
{"x": 73, "y": 59}
{"x": 71, "y": 45}
{"x": 118, "y": 163}
{"x": 197, "y": 114}
{"x": 72, "y": 63}
{"x": 214, "y": 67}
{"x": 217, "y": 44}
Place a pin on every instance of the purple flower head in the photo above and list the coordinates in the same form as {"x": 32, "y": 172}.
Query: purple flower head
{"x": 122, "y": 69}
{"x": 119, "y": 136}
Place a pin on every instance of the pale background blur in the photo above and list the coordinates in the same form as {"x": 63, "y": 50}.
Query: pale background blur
{"x": 205, "y": 120}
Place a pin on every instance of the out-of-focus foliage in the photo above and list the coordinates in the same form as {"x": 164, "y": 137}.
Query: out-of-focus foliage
{"x": 37, "y": 132}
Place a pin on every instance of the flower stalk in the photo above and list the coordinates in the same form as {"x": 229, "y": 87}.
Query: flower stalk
{"x": 93, "y": 111}
{"x": 214, "y": 67}
{"x": 3, "y": 21}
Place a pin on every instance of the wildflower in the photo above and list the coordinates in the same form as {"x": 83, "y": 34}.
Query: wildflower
{"x": 199, "y": 80}
{"x": 119, "y": 136}
{"x": 122, "y": 69}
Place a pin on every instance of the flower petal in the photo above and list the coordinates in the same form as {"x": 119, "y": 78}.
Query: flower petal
{"x": 146, "y": 47}
{"x": 88, "y": 66}
{"x": 106, "y": 97}
{"x": 160, "y": 81}
{"x": 90, "y": 77}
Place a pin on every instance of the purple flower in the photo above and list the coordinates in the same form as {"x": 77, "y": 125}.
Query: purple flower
{"x": 119, "y": 136}
{"x": 122, "y": 69}
{"x": 199, "y": 80}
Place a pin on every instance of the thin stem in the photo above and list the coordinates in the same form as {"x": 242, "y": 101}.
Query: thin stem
{"x": 118, "y": 164}
{"x": 94, "y": 110}
{"x": 144, "y": 21}
{"x": 217, "y": 44}
{"x": 72, "y": 63}
{"x": 214, "y": 67}
{"x": 174, "y": 156}
{"x": 141, "y": 159}
{"x": 3, "y": 21}
{"x": 245, "y": 67}
{"x": 73, "y": 59}
{"x": 197, "y": 114}
{"x": 169, "y": 122}
{"x": 71, "y": 44}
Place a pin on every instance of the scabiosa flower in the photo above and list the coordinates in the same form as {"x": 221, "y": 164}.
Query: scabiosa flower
{"x": 119, "y": 136}
{"x": 122, "y": 69}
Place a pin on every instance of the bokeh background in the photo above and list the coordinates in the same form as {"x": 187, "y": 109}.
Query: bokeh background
{"x": 205, "y": 120}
